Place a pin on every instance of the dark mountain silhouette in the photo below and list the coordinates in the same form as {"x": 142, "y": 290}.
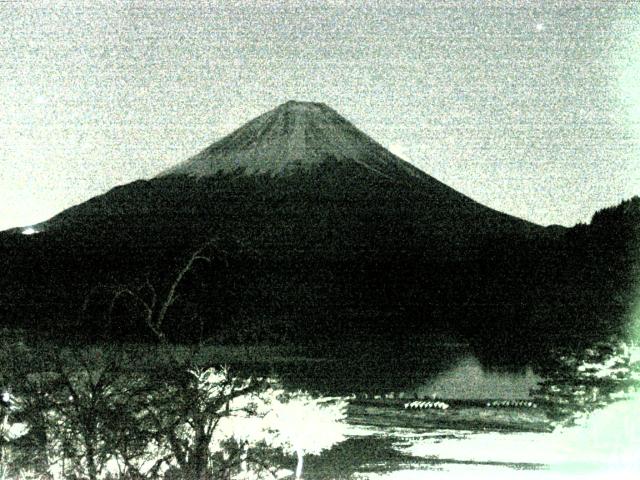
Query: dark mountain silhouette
{"x": 318, "y": 232}
{"x": 299, "y": 152}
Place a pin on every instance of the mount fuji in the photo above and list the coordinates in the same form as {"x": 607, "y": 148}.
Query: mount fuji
{"x": 309, "y": 154}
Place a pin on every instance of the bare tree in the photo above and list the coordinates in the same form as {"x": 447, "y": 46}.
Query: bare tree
{"x": 153, "y": 303}
{"x": 187, "y": 414}
{"x": 69, "y": 402}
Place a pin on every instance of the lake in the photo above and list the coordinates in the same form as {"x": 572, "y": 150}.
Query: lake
{"x": 438, "y": 369}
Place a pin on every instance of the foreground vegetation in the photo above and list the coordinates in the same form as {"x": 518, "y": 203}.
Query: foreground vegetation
{"x": 174, "y": 412}
{"x": 577, "y": 382}
{"x": 104, "y": 412}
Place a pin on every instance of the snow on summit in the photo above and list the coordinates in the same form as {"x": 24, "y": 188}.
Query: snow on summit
{"x": 293, "y": 136}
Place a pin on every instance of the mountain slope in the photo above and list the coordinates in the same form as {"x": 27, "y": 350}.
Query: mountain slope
{"x": 308, "y": 154}
{"x": 294, "y": 136}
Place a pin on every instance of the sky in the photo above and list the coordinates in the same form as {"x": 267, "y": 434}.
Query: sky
{"x": 529, "y": 107}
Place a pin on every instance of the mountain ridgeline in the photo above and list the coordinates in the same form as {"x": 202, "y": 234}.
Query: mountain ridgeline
{"x": 316, "y": 232}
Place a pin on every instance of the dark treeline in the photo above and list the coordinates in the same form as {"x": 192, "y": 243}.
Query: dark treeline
{"x": 304, "y": 259}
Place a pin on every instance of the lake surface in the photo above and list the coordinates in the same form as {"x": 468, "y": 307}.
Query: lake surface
{"x": 468, "y": 379}
{"x": 444, "y": 370}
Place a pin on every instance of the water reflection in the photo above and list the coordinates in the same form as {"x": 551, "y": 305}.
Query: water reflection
{"x": 445, "y": 370}
{"x": 468, "y": 379}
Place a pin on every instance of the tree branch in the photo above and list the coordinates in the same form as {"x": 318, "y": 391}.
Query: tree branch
{"x": 171, "y": 294}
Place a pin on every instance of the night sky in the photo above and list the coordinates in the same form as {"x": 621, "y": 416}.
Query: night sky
{"x": 532, "y": 108}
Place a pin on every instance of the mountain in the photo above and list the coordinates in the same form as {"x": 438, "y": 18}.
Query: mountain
{"x": 299, "y": 153}
{"x": 315, "y": 230}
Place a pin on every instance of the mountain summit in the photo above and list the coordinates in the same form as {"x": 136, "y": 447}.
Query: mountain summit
{"x": 291, "y": 137}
